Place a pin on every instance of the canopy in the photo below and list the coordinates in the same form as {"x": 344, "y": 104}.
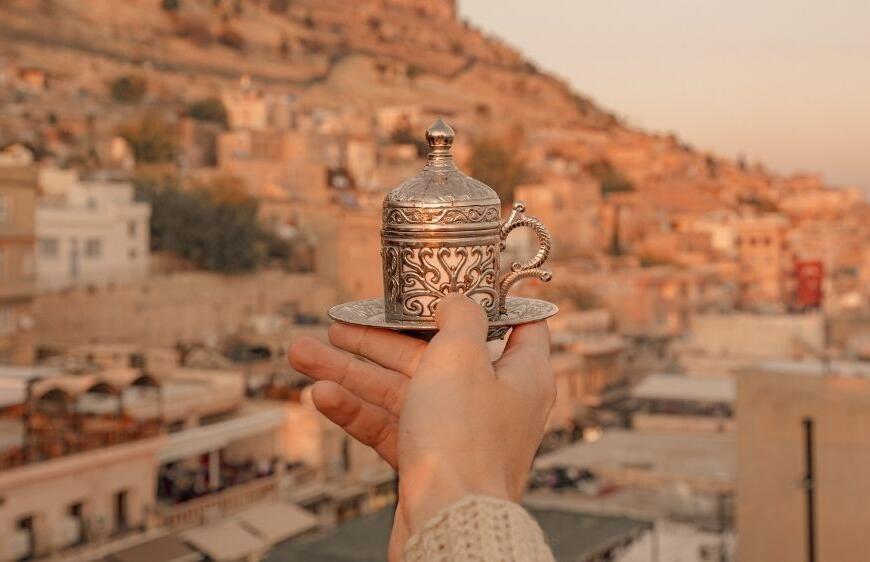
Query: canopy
{"x": 275, "y": 522}
{"x": 225, "y": 542}
{"x": 165, "y": 549}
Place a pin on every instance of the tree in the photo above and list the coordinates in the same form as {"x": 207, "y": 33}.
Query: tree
{"x": 611, "y": 180}
{"x": 151, "y": 139}
{"x": 615, "y": 183}
{"x": 129, "y": 89}
{"x": 404, "y": 135}
{"x": 209, "y": 109}
{"x": 279, "y": 6}
{"x": 231, "y": 38}
{"x": 413, "y": 71}
{"x": 498, "y": 165}
{"x": 194, "y": 30}
{"x": 170, "y": 5}
{"x": 213, "y": 225}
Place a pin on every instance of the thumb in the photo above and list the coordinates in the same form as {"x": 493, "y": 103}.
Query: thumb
{"x": 458, "y": 315}
{"x": 460, "y": 344}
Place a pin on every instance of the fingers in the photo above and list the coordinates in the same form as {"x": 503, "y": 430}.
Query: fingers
{"x": 372, "y": 383}
{"x": 527, "y": 341}
{"x": 525, "y": 363}
{"x": 385, "y": 347}
{"x": 363, "y": 421}
{"x": 398, "y": 536}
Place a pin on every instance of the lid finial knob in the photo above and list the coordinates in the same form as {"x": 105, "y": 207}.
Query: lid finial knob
{"x": 440, "y": 138}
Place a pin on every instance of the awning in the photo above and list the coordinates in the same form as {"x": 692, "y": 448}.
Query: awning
{"x": 275, "y": 522}
{"x": 225, "y": 542}
{"x": 165, "y": 549}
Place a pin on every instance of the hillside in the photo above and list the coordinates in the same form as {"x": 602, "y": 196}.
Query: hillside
{"x": 380, "y": 53}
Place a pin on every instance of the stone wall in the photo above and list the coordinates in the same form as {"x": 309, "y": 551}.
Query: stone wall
{"x": 772, "y": 449}
{"x": 186, "y": 307}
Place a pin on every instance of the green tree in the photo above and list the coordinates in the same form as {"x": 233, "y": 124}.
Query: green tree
{"x": 214, "y": 225}
{"x": 279, "y": 6}
{"x": 151, "y": 139}
{"x": 209, "y": 109}
{"x": 129, "y": 89}
{"x": 498, "y": 165}
{"x": 611, "y": 180}
{"x": 404, "y": 135}
{"x": 615, "y": 183}
{"x": 231, "y": 38}
{"x": 170, "y": 5}
{"x": 413, "y": 71}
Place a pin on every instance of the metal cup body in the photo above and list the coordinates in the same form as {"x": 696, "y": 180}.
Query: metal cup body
{"x": 431, "y": 250}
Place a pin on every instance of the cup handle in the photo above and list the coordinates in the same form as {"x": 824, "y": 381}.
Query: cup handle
{"x": 531, "y": 268}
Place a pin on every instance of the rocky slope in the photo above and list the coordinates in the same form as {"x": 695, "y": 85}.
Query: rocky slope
{"x": 362, "y": 54}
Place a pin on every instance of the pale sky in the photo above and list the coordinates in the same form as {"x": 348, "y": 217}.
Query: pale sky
{"x": 785, "y": 82}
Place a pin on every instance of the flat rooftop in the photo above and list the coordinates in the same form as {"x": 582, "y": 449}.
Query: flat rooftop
{"x": 707, "y": 460}
{"x": 685, "y": 388}
{"x": 573, "y": 536}
{"x": 813, "y": 368}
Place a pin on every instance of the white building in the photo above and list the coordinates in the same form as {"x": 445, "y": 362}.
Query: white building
{"x": 89, "y": 232}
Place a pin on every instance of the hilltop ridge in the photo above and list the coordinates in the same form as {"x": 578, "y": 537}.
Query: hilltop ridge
{"x": 380, "y": 53}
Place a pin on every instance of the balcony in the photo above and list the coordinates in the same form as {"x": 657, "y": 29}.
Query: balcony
{"x": 217, "y": 505}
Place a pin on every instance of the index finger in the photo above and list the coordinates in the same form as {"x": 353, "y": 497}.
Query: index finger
{"x": 525, "y": 362}
{"x": 387, "y": 348}
{"x": 527, "y": 341}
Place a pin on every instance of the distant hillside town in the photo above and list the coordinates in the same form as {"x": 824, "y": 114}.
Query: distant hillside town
{"x": 186, "y": 186}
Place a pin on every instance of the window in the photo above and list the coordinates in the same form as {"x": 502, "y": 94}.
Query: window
{"x": 5, "y": 208}
{"x": 121, "y": 523}
{"x": 131, "y": 229}
{"x": 48, "y": 247}
{"x": 26, "y": 524}
{"x": 93, "y": 248}
{"x": 2, "y": 263}
{"x": 76, "y": 512}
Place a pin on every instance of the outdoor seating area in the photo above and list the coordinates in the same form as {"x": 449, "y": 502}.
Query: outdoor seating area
{"x": 52, "y": 413}
{"x": 183, "y": 481}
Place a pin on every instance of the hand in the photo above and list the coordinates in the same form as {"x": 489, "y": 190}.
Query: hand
{"x": 447, "y": 419}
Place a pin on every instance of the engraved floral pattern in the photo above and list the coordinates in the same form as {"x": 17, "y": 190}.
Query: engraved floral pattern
{"x": 475, "y": 214}
{"x": 425, "y": 275}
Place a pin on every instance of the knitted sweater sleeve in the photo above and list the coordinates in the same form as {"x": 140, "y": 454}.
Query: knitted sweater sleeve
{"x": 479, "y": 529}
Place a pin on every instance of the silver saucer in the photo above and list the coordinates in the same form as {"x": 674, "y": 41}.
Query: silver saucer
{"x": 370, "y": 312}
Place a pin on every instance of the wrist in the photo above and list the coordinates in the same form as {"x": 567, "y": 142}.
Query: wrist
{"x": 428, "y": 488}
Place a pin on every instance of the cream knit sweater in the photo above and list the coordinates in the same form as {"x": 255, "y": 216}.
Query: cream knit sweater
{"x": 479, "y": 529}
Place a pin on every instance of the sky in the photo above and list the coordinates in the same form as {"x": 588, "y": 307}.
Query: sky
{"x": 783, "y": 82}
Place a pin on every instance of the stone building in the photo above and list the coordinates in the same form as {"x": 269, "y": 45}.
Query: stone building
{"x": 18, "y": 187}
{"x": 570, "y": 209}
{"x": 803, "y": 461}
{"x": 90, "y": 232}
{"x": 762, "y": 253}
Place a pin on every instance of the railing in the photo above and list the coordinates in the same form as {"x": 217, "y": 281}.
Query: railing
{"x": 207, "y": 508}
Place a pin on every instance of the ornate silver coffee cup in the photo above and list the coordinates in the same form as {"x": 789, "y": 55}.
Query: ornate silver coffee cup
{"x": 442, "y": 233}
